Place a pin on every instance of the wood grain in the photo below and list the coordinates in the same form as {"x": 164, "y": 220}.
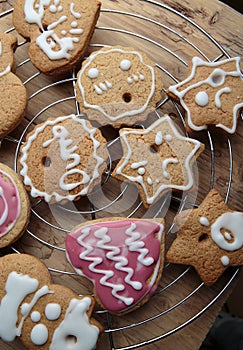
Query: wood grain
{"x": 224, "y": 25}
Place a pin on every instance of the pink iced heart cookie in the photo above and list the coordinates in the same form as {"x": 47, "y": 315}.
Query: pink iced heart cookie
{"x": 123, "y": 258}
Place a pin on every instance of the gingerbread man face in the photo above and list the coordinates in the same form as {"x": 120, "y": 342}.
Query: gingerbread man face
{"x": 59, "y": 30}
{"x": 119, "y": 84}
{"x": 42, "y": 314}
{"x": 212, "y": 94}
{"x": 13, "y": 98}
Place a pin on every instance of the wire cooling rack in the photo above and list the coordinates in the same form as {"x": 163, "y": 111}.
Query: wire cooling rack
{"x": 46, "y": 233}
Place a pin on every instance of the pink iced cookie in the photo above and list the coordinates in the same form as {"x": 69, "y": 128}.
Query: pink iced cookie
{"x": 14, "y": 206}
{"x": 123, "y": 258}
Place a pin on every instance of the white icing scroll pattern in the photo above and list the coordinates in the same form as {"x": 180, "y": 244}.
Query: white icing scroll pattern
{"x": 66, "y": 153}
{"x": 50, "y": 43}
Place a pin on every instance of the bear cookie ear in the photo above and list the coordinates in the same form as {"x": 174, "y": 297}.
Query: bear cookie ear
{"x": 13, "y": 96}
{"x": 39, "y": 312}
{"x": 59, "y": 31}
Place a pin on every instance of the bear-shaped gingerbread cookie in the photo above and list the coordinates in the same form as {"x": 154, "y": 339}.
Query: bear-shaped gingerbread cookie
{"x": 42, "y": 314}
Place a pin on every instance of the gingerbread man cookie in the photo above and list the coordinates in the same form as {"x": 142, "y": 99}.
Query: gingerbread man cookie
{"x": 13, "y": 97}
{"x": 157, "y": 159}
{"x": 212, "y": 94}
{"x": 14, "y": 206}
{"x": 209, "y": 238}
{"x": 118, "y": 86}
{"x": 44, "y": 315}
{"x": 59, "y": 31}
{"x": 63, "y": 159}
{"x": 123, "y": 257}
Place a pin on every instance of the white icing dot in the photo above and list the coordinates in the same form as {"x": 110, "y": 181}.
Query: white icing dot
{"x": 35, "y": 316}
{"x": 63, "y": 32}
{"x": 202, "y": 98}
{"x": 39, "y": 334}
{"x": 74, "y": 24}
{"x": 141, "y": 171}
{"x": 149, "y": 181}
{"x": 125, "y": 65}
{"x": 93, "y": 73}
{"x": 225, "y": 260}
{"x": 60, "y": 8}
{"x": 168, "y": 138}
{"x": 25, "y": 308}
{"x": 53, "y": 8}
{"x": 204, "y": 221}
{"x": 130, "y": 80}
{"x": 52, "y": 311}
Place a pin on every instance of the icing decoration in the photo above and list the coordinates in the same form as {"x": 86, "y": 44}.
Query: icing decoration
{"x": 39, "y": 334}
{"x": 216, "y": 79}
{"x": 124, "y": 64}
{"x": 225, "y": 260}
{"x": 35, "y": 316}
{"x": 155, "y": 158}
{"x": 17, "y": 288}
{"x": 119, "y": 257}
{"x": 52, "y": 311}
{"x": 49, "y": 42}
{"x": 232, "y": 240}
{"x": 75, "y": 322}
{"x": 9, "y": 203}
{"x": 204, "y": 221}
{"x": 67, "y": 153}
{"x": 202, "y": 98}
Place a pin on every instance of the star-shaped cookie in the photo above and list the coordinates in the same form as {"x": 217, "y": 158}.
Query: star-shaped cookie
{"x": 211, "y": 94}
{"x": 210, "y": 238}
{"x": 157, "y": 159}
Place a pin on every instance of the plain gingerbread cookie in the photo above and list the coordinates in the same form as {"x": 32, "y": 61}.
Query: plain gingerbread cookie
{"x": 13, "y": 96}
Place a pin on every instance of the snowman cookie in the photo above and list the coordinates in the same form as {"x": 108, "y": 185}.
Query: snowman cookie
{"x": 118, "y": 86}
{"x": 42, "y": 314}
{"x": 123, "y": 257}
{"x": 59, "y": 31}
{"x": 13, "y": 96}
{"x": 63, "y": 159}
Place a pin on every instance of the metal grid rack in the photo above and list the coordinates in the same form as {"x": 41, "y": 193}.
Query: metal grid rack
{"x": 49, "y": 225}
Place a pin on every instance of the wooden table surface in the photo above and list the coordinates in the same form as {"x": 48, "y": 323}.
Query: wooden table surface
{"x": 181, "y": 310}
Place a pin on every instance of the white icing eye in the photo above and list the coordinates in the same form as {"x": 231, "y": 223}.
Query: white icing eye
{"x": 125, "y": 65}
{"x": 93, "y": 73}
{"x": 217, "y": 77}
{"x": 35, "y": 316}
{"x": 52, "y": 311}
{"x": 202, "y": 98}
